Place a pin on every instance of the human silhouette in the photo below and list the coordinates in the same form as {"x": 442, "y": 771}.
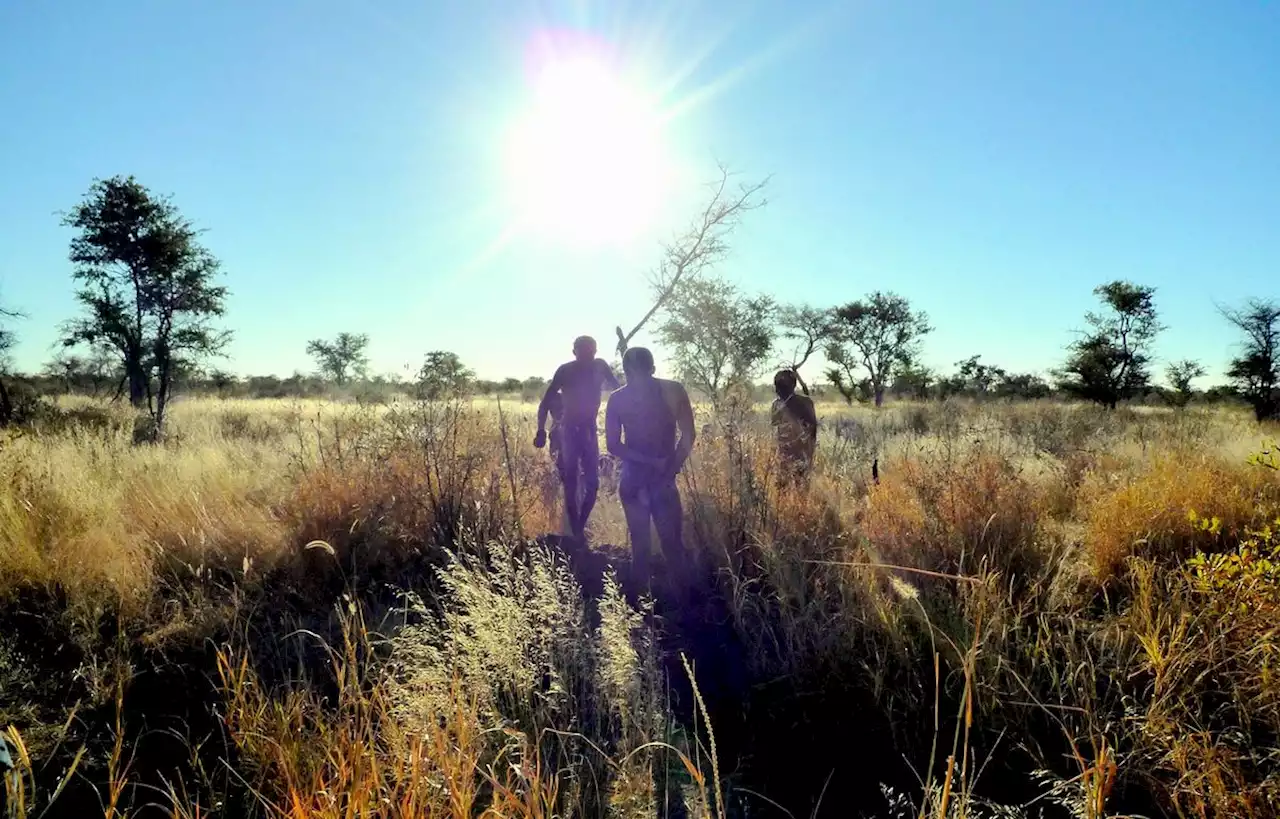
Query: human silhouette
{"x": 649, "y": 428}
{"x": 579, "y": 385}
{"x": 795, "y": 425}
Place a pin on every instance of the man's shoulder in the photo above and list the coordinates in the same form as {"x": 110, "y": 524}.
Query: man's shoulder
{"x": 674, "y": 391}
{"x": 621, "y": 395}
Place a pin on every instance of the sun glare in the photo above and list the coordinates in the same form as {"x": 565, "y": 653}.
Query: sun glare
{"x": 585, "y": 160}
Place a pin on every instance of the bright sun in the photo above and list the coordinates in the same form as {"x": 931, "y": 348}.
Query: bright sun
{"x": 585, "y": 161}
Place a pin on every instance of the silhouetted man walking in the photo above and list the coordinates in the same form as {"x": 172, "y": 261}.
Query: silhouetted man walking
{"x": 795, "y": 425}
{"x": 579, "y": 384}
{"x": 642, "y": 422}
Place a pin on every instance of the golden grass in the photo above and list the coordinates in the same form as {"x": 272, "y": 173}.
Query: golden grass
{"x": 497, "y": 695}
{"x": 1143, "y": 510}
{"x": 979, "y": 513}
{"x": 101, "y": 518}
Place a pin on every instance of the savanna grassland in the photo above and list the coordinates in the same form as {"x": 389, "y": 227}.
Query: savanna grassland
{"x": 306, "y": 609}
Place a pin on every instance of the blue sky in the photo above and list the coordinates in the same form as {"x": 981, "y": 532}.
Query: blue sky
{"x": 991, "y": 161}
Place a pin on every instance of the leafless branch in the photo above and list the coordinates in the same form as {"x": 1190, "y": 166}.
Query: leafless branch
{"x": 811, "y": 328}
{"x": 699, "y": 247}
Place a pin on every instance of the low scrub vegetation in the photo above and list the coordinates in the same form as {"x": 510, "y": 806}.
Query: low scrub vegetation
{"x": 303, "y": 609}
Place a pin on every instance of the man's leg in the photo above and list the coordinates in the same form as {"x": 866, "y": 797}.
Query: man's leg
{"x": 793, "y": 467}
{"x": 668, "y": 519}
{"x": 635, "y": 506}
{"x": 590, "y": 461}
{"x": 569, "y": 477}
{"x": 790, "y": 469}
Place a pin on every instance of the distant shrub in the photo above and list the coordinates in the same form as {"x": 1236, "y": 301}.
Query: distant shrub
{"x": 243, "y": 425}
{"x": 95, "y": 419}
{"x": 29, "y": 406}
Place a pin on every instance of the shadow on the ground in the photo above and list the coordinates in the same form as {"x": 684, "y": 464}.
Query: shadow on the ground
{"x": 786, "y": 744}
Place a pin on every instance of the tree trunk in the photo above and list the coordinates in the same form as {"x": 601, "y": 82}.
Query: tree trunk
{"x": 137, "y": 383}
{"x": 162, "y": 400}
{"x": 6, "y": 406}
{"x": 803, "y": 386}
{"x": 879, "y": 394}
{"x": 1266, "y": 407}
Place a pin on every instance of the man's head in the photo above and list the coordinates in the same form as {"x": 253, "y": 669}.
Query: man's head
{"x": 584, "y": 348}
{"x": 637, "y": 364}
{"x": 784, "y": 383}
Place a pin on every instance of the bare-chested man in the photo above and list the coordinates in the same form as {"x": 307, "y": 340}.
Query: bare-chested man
{"x": 642, "y": 421}
{"x": 579, "y": 385}
{"x": 796, "y": 426}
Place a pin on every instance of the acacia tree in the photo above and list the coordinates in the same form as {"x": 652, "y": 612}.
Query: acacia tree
{"x": 222, "y": 381}
{"x": 975, "y": 378}
{"x": 147, "y": 288}
{"x": 341, "y": 358}
{"x": 1255, "y": 373}
{"x": 809, "y": 329}
{"x": 67, "y": 369}
{"x": 1109, "y": 363}
{"x": 1028, "y": 386}
{"x": 914, "y": 381}
{"x": 876, "y": 336}
{"x": 443, "y": 375}
{"x": 7, "y": 340}
{"x": 719, "y": 338}
{"x": 1180, "y": 374}
{"x": 703, "y": 243}
{"x": 93, "y": 373}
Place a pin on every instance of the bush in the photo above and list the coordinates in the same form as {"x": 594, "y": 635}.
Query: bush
{"x": 29, "y": 407}
{"x": 956, "y": 517}
{"x": 1146, "y": 512}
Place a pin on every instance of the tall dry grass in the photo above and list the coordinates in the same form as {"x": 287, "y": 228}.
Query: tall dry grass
{"x": 1028, "y": 608}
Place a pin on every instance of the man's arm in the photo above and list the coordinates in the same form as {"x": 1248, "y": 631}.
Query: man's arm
{"x": 809, "y": 417}
{"x": 613, "y": 428}
{"x": 610, "y": 380}
{"x": 544, "y": 406}
{"x": 685, "y": 425}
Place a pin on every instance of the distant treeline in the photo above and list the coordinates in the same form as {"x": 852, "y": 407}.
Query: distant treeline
{"x": 971, "y": 380}
{"x": 151, "y": 302}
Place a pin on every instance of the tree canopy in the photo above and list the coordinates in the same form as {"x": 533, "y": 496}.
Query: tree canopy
{"x": 341, "y": 358}
{"x": 7, "y": 340}
{"x": 809, "y": 329}
{"x": 443, "y": 375}
{"x": 1180, "y": 375}
{"x": 147, "y": 288}
{"x": 1110, "y": 362}
{"x": 719, "y": 338}
{"x": 1255, "y": 372}
{"x": 876, "y": 336}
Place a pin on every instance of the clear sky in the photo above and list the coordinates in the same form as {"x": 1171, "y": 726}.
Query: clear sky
{"x": 350, "y": 161}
